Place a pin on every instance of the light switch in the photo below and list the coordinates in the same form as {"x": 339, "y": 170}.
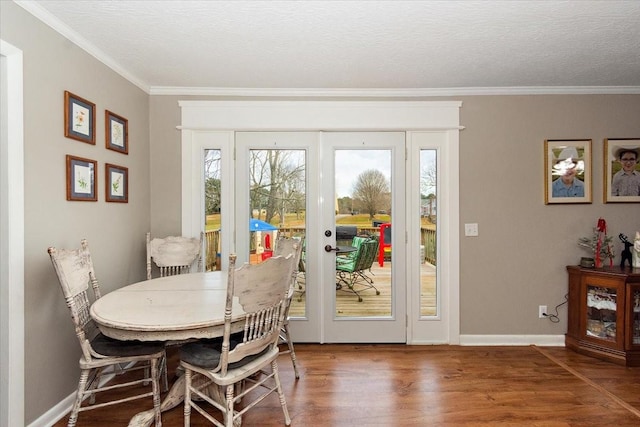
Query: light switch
{"x": 471, "y": 229}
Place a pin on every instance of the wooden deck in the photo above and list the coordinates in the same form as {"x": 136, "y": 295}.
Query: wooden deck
{"x": 373, "y": 305}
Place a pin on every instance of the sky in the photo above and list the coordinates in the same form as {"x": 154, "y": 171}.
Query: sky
{"x": 351, "y": 163}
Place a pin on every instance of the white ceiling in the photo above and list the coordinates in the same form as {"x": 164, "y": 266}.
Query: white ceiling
{"x": 358, "y": 47}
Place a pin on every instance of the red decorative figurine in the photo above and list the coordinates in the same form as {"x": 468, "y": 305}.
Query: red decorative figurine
{"x": 601, "y": 229}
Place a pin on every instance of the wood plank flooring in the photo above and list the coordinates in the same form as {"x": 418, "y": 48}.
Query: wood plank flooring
{"x": 399, "y": 385}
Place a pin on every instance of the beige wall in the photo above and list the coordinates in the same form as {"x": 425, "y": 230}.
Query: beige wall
{"x": 115, "y": 231}
{"x": 518, "y": 261}
{"x": 516, "y": 264}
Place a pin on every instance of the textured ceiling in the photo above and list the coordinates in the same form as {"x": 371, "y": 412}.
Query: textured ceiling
{"x": 425, "y": 46}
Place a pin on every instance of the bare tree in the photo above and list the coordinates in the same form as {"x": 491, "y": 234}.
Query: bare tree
{"x": 277, "y": 182}
{"x": 428, "y": 176}
{"x": 428, "y": 186}
{"x": 212, "y": 181}
{"x": 371, "y": 191}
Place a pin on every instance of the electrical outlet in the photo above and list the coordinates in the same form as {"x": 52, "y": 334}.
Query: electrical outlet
{"x": 471, "y": 229}
{"x": 542, "y": 310}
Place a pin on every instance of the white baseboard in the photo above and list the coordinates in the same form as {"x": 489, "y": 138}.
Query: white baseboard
{"x": 487, "y": 340}
{"x": 56, "y": 413}
{"x": 63, "y": 408}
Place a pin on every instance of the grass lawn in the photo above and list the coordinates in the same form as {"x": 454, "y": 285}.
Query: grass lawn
{"x": 293, "y": 220}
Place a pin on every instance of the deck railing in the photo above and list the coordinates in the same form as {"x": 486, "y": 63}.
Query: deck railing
{"x": 212, "y": 242}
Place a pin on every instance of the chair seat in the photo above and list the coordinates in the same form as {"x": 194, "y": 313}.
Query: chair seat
{"x": 346, "y": 264}
{"x": 106, "y": 346}
{"x": 206, "y": 353}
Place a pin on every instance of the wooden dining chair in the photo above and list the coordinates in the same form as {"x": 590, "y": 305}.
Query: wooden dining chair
{"x": 285, "y": 246}
{"x": 245, "y": 361}
{"x": 75, "y": 272}
{"x": 174, "y": 255}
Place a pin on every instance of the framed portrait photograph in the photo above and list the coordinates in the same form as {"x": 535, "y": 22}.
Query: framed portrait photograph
{"x": 116, "y": 183}
{"x": 621, "y": 170}
{"x": 116, "y": 132}
{"x": 81, "y": 179}
{"x": 567, "y": 171}
{"x": 79, "y": 118}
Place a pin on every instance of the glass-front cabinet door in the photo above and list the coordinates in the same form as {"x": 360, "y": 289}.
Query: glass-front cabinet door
{"x": 604, "y": 312}
{"x": 633, "y": 304}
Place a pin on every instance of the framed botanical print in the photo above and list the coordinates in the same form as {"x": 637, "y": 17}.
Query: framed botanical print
{"x": 116, "y": 132}
{"x": 621, "y": 170}
{"x": 81, "y": 179}
{"x": 567, "y": 171}
{"x": 116, "y": 183}
{"x": 79, "y": 118}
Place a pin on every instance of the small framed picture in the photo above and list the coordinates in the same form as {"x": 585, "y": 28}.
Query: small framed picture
{"x": 116, "y": 183}
{"x": 81, "y": 179}
{"x": 567, "y": 171}
{"x": 117, "y": 132}
{"x": 79, "y": 118}
{"x": 621, "y": 170}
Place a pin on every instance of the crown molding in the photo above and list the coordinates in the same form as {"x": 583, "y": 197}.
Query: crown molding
{"x": 42, "y": 14}
{"x": 393, "y": 93}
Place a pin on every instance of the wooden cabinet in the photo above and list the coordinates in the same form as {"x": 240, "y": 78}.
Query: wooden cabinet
{"x": 604, "y": 313}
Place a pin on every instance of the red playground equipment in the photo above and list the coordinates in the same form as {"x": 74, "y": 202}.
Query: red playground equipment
{"x": 384, "y": 248}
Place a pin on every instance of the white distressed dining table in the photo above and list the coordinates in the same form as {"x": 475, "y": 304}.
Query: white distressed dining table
{"x": 173, "y": 308}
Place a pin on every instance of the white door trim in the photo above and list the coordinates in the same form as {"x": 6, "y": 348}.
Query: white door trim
{"x": 12, "y": 232}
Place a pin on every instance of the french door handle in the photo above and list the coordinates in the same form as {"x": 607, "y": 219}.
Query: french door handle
{"x": 328, "y": 248}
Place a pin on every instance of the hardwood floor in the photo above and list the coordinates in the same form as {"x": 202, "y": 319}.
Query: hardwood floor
{"x": 398, "y": 385}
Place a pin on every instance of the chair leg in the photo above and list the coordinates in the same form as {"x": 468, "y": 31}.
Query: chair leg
{"x": 155, "y": 387}
{"x": 350, "y": 280}
{"x": 283, "y": 402}
{"x": 228, "y": 415}
{"x": 82, "y": 385}
{"x": 163, "y": 371}
{"x": 368, "y": 281}
{"x": 292, "y": 352}
{"x": 93, "y": 382}
{"x": 187, "y": 397}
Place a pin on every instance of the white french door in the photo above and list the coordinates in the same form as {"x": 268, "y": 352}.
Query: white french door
{"x": 365, "y": 168}
{"x": 420, "y": 308}
{"x": 276, "y": 175}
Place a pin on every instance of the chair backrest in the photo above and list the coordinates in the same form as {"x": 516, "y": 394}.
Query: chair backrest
{"x": 74, "y": 268}
{"x": 367, "y": 254}
{"x": 356, "y": 241}
{"x": 261, "y": 289}
{"x": 174, "y": 254}
{"x": 290, "y": 245}
{"x": 362, "y": 258}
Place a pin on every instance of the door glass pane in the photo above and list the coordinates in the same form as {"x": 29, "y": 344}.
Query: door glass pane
{"x": 212, "y": 196}
{"x": 428, "y": 220}
{"x": 277, "y": 203}
{"x": 363, "y": 233}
